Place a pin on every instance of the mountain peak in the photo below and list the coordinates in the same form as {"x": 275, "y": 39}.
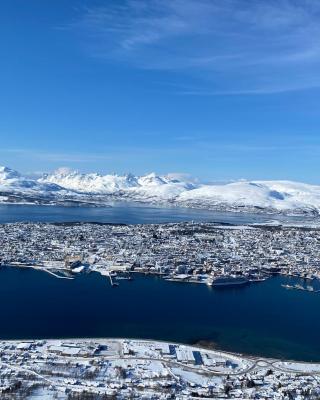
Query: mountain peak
{"x": 8, "y": 173}
{"x": 65, "y": 171}
{"x": 151, "y": 179}
{"x": 279, "y": 196}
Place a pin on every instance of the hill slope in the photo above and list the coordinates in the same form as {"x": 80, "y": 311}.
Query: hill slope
{"x": 65, "y": 185}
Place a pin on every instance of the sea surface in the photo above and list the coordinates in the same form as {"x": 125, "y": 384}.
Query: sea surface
{"x": 259, "y": 319}
{"x": 132, "y": 213}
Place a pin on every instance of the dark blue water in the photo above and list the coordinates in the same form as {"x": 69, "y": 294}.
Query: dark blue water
{"x": 261, "y": 319}
{"x": 128, "y": 213}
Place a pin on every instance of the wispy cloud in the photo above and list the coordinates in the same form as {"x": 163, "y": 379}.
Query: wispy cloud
{"x": 232, "y": 46}
{"x": 56, "y": 156}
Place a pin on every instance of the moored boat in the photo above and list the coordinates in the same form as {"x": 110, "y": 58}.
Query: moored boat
{"x": 228, "y": 281}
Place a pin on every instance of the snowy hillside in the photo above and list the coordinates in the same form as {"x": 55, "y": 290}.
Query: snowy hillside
{"x": 14, "y": 188}
{"x": 277, "y": 195}
{"x": 12, "y": 180}
{"x": 68, "y": 186}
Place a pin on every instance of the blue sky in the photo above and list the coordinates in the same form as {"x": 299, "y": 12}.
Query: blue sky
{"x": 218, "y": 89}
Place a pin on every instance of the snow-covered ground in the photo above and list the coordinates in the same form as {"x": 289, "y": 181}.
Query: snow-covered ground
{"x": 126, "y": 368}
{"x": 272, "y": 196}
{"x": 11, "y": 180}
{"x": 277, "y": 195}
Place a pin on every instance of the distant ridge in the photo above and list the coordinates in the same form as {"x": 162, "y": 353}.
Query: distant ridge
{"x": 66, "y": 186}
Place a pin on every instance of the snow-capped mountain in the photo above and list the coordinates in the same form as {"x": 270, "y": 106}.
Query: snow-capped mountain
{"x": 89, "y": 183}
{"x": 7, "y": 174}
{"x": 65, "y": 186}
{"x": 273, "y": 195}
{"x": 12, "y": 180}
{"x": 14, "y": 188}
{"x": 151, "y": 180}
{"x": 141, "y": 188}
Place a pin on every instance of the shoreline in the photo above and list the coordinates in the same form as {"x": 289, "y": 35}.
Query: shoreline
{"x": 194, "y": 342}
{"x": 223, "y": 209}
{"x": 194, "y": 347}
{"x": 129, "y": 368}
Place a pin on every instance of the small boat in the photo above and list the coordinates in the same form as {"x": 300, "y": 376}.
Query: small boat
{"x": 258, "y": 279}
{"x": 287, "y": 286}
{"x": 299, "y": 287}
{"x": 124, "y": 277}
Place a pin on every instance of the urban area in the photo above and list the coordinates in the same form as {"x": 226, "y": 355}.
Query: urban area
{"x": 103, "y": 369}
{"x": 207, "y": 253}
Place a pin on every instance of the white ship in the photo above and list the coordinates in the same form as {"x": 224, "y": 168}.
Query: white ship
{"x": 228, "y": 281}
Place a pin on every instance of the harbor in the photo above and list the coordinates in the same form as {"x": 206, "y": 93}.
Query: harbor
{"x": 245, "y": 288}
{"x": 215, "y": 255}
{"x": 260, "y": 319}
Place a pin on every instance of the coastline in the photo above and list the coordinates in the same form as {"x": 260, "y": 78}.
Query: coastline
{"x": 123, "y": 367}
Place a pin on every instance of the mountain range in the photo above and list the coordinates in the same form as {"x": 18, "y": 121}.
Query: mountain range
{"x": 66, "y": 187}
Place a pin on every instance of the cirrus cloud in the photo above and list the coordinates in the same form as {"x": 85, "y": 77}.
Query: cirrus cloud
{"x": 226, "y": 47}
